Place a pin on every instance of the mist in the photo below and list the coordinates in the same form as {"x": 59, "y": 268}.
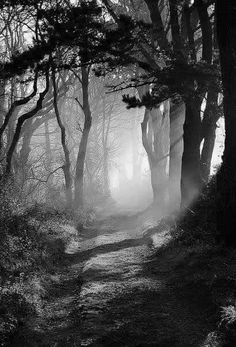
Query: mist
{"x": 117, "y": 167}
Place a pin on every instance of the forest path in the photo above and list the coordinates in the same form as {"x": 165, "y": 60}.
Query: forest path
{"x": 113, "y": 292}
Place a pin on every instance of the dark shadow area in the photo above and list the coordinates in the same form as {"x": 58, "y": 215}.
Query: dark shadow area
{"x": 106, "y": 248}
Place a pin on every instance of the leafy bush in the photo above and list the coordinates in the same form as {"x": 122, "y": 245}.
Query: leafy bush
{"x": 228, "y": 315}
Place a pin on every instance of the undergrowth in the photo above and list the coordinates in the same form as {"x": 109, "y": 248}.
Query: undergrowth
{"x": 31, "y": 250}
{"x": 201, "y": 260}
{"x": 198, "y": 224}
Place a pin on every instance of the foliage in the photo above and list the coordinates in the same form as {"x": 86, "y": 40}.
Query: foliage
{"x": 169, "y": 83}
{"x": 228, "y": 314}
{"x": 76, "y": 35}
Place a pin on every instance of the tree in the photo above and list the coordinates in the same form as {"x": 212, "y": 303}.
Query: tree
{"x": 67, "y": 164}
{"x": 80, "y": 34}
{"x": 80, "y": 162}
{"x": 176, "y": 61}
{"x": 20, "y": 122}
{"x": 226, "y": 180}
{"x": 172, "y": 40}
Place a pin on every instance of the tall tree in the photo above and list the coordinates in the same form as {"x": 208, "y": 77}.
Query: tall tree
{"x": 226, "y": 181}
{"x": 67, "y": 164}
{"x": 177, "y": 62}
{"x": 80, "y": 162}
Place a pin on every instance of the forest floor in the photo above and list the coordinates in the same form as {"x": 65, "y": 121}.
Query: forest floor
{"x": 124, "y": 283}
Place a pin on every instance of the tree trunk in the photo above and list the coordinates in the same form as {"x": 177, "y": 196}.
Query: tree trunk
{"x": 48, "y": 151}
{"x": 12, "y": 113}
{"x": 226, "y": 181}
{"x": 136, "y": 162}
{"x": 177, "y": 115}
{"x": 190, "y": 175}
{"x": 66, "y": 166}
{"x": 106, "y": 184}
{"x": 79, "y": 173}
{"x": 147, "y": 139}
{"x": 48, "y": 148}
{"x": 161, "y": 145}
{"x": 206, "y": 28}
{"x": 20, "y": 164}
{"x": 159, "y": 34}
{"x": 175, "y": 29}
{"x": 2, "y": 101}
{"x": 156, "y": 188}
{"x": 211, "y": 116}
{"x": 20, "y": 123}
{"x": 105, "y": 136}
{"x": 207, "y": 152}
{"x": 25, "y": 148}
{"x": 191, "y": 181}
{"x": 155, "y": 138}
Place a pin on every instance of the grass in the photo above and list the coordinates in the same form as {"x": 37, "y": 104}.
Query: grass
{"x": 198, "y": 260}
{"x": 31, "y": 251}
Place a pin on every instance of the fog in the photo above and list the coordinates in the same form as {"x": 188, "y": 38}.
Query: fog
{"x": 117, "y": 166}
{"x": 130, "y": 181}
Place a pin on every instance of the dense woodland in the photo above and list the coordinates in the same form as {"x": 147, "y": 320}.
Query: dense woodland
{"x": 105, "y": 104}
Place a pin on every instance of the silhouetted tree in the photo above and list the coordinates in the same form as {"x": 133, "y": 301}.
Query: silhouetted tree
{"x": 226, "y": 182}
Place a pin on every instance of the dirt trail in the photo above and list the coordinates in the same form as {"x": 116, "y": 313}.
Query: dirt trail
{"x": 113, "y": 293}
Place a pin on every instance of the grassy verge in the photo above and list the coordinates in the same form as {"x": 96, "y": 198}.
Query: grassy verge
{"x": 32, "y": 250}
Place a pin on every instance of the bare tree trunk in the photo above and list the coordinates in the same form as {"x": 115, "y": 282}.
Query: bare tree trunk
{"x": 191, "y": 181}
{"x": 16, "y": 104}
{"x": 161, "y": 145}
{"x": 147, "y": 139}
{"x": 2, "y": 101}
{"x": 48, "y": 151}
{"x": 26, "y": 139}
{"x": 20, "y": 122}
{"x": 211, "y": 116}
{"x": 207, "y": 152}
{"x": 79, "y": 173}
{"x": 155, "y": 138}
{"x": 212, "y": 111}
{"x": 106, "y": 183}
{"x": 48, "y": 148}
{"x": 206, "y": 28}
{"x": 159, "y": 35}
{"x": 105, "y": 133}
{"x": 136, "y": 162}
{"x": 177, "y": 115}
{"x": 66, "y": 166}
{"x": 20, "y": 163}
